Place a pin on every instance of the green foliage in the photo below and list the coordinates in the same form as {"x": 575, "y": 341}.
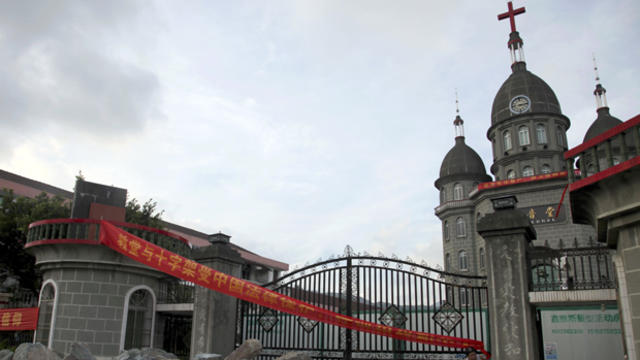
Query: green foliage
{"x": 144, "y": 214}
{"x": 16, "y": 213}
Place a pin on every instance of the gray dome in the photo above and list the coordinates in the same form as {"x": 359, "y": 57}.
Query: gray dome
{"x": 603, "y": 122}
{"x": 523, "y": 82}
{"x": 462, "y": 162}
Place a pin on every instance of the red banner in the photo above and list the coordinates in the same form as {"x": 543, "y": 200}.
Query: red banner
{"x": 189, "y": 270}
{"x": 18, "y": 319}
{"x": 501, "y": 183}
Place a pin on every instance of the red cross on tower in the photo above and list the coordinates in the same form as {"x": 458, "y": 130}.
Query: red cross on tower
{"x": 511, "y": 14}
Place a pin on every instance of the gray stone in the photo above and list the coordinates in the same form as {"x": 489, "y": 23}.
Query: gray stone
{"x": 79, "y": 352}
{"x": 215, "y": 313}
{"x": 507, "y": 234}
{"x": 37, "y": 351}
{"x": 295, "y": 356}
{"x": 248, "y": 350}
{"x": 146, "y": 354}
{"x": 6, "y": 354}
{"x": 208, "y": 356}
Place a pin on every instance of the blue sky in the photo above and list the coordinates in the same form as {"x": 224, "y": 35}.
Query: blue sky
{"x": 296, "y": 127}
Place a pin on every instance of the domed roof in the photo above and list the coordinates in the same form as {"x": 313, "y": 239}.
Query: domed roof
{"x": 523, "y": 82}
{"x": 462, "y": 162}
{"x": 603, "y": 122}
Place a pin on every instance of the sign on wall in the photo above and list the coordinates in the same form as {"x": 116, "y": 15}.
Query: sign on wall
{"x": 581, "y": 333}
{"x": 544, "y": 214}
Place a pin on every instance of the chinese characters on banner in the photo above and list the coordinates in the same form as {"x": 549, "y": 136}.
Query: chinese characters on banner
{"x": 18, "y": 319}
{"x": 185, "y": 269}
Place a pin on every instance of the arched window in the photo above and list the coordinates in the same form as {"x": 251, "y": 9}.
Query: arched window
{"x": 462, "y": 260}
{"x": 559, "y": 136}
{"x": 541, "y": 134}
{"x": 46, "y": 313}
{"x": 442, "y": 197}
{"x": 523, "y": 135}
{"x": 445, "y": 230}
{"x": 460, "y": 227}
{"x": 527, "y": 171}
{"x": 546, "y": 169}
{"x": 447, "y": 262}
{"x": 481, "y": 258}
{"x": 458, "y": 192}
{"x": 507, "y": 140}
{"x": 138, "y": 319}
{"x": 511, "y": 174}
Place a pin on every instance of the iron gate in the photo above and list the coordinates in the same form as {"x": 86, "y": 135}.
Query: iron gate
{"x": 394, "y": 292}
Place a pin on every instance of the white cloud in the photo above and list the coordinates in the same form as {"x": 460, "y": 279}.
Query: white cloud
{"x": 296, "y": 127}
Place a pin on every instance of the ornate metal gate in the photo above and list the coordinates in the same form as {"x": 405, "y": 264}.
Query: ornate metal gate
{"x": 384, "y": 290}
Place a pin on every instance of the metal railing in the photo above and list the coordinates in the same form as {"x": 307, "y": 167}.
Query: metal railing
{"x": 176, "y": 292}
{"x": 611, "y": 152}
{"x": 23, "y": 298}
{"x": 587, "y": 268}
{"x": 88, "y": 231}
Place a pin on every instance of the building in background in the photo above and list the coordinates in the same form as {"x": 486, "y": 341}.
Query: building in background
{"x": 93, "y": 295}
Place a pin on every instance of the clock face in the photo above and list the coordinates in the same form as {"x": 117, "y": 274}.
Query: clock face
{"x": 519, "y": 104}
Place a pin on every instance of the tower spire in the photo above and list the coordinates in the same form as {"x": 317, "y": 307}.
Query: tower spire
{"x": 515, "y": 42}
{"x": 600, "y": 92}
{"x": 458, "y": 123}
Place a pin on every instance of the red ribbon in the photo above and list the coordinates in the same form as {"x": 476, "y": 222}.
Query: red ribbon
{"x": 18, "y": 319}
{"x": 189, "y": 270}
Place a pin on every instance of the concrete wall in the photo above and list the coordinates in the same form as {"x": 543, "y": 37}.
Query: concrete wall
{"x": 92, "y": 283}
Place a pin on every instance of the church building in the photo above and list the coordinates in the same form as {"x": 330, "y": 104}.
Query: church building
{"x": 528, "y": 136}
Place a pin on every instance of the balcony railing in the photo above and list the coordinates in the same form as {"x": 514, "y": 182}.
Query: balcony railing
{"x": 87, "y": 231}
{"x": 588, "y": 268}
{"x": 614, "y": 151}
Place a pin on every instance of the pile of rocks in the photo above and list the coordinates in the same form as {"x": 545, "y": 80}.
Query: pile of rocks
{"x": 249, "y": 350}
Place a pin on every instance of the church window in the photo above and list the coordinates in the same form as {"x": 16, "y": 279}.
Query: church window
{"x": 445, "y": 230}
{"x": 511, "y": 174}
{"x": 139, "y": 317}
{"x": 541, "y": 134}
{"x": 460, "y": 227}
{"x": 527, "y": 171}
{"x": 458, "y": 192}
{"x": 46, "y": 316}
{"x": 507, "y": 140}
{"x": 523, "y": 135}
{"x": 546, "y": 169}
{"x": 481, "y": 258}
{"x": 447, "y": 262}
{"x": 559, "y": 136}
{"x": 462, "y": 259}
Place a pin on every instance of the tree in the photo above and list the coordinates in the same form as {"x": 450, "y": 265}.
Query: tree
{"x": 144, "y": 214}
{"x": 16, "y": 213}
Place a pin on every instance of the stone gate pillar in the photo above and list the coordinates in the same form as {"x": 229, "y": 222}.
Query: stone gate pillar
{"x": 507, "y": 234}
{"x": 214, "y": 314}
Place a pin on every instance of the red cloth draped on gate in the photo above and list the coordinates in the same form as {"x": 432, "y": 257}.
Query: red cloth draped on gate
{"x": 189, "y": 270}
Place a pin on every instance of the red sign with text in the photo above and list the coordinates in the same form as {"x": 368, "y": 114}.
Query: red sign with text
{"x": 18, "y": 319}
{"x": 189, "y": 270}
